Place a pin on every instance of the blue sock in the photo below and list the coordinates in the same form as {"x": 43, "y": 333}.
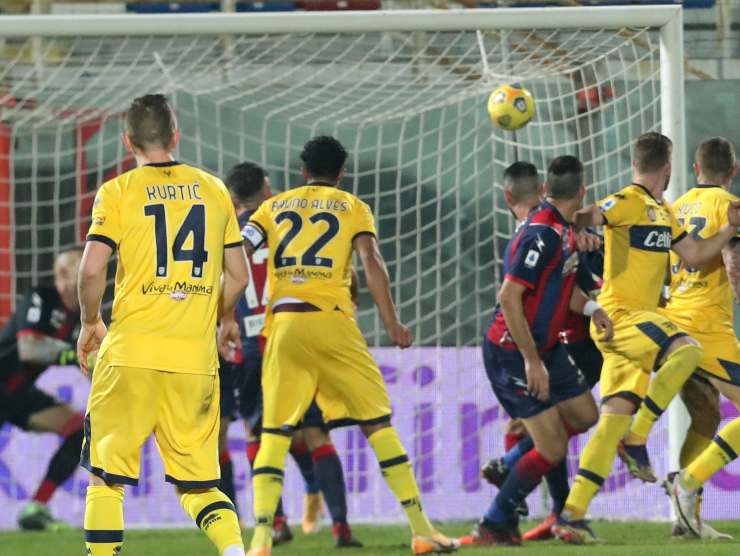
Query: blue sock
{"x": 330, "y": 475}
{"x": 522, "y": 480}
{"x": 557, "y": 483}
{"x": 515, "y": 454}
{"x": 302, "y": 457}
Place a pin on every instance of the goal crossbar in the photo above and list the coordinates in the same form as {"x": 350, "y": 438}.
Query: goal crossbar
{"x": 337, "y": 22}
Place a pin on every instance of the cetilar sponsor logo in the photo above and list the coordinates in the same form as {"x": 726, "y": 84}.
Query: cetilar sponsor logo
{"x": 658, "y": 239}
{"x": 177, "y": 291}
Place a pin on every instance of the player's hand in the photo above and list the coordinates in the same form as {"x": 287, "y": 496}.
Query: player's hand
{"x": 733, "y": 213}
{"x": 587, "y": 241}
{"x": 88, "y": 342}
{"x": 538, "y": 379}
{"x": 228, "y": 338}
{"x": 400, "y": 335}
{"x": 603, "y": 324}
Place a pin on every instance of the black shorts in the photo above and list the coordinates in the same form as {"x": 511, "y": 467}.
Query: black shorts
{"x": 226, "y": 386}
{"x": 588, "y": 359}
{"x": 313, "y": 418}
{"x": 18, "y": 407}
{"x": 505, "y": 370}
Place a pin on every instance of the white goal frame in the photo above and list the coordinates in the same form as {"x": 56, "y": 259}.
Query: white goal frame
{"x": 669, "y": 19}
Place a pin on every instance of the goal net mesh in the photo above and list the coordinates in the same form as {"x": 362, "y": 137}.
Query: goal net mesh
{"x": 411, "y": 110}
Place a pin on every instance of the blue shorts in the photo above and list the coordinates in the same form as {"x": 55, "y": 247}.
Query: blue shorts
{"x": 248, "y": 390}
{"x": 505, "y": 370}
{"x": 588, "y": 359}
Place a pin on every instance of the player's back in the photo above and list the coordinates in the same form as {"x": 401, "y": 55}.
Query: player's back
{"x": 705, "y": 293}
{"x": 638, "y": 235}
{"x": 542, "y": 256}
{"x": 170, "y": 223}
{"x": 309, "y": 231}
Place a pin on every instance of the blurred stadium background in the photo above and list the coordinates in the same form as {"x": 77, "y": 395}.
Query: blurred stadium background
{"x": 410, "y": 108}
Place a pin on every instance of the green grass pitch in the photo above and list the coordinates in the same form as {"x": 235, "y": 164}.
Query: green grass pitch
{"x": 620, "y": 539}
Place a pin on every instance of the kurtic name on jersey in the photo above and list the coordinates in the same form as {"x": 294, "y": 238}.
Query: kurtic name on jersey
{"x": 174, "y": 192}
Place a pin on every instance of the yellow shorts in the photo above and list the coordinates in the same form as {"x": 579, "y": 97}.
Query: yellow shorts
{"x": 719, "y": 343}
{"x": 128, "y": 404}
{"x": 640, "y": 339}
{"x": 321, "y": 354}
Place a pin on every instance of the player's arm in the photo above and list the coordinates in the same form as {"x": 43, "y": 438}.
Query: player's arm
{"x": 697, "y": 252}
{"x": 583, "y": 305}
{"x": 234, "y": 280}
{"x": 512, "y": 305}
{"x": 90, "y": 289}
{"x": 379, "y": 285}
{"x": 354, "y": 287}
{"x": 35, "y": 345}
{"x": 587, "y": 217}
{"x": 731, "y": 258}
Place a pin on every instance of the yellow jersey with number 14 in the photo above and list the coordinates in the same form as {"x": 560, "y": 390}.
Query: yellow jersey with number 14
{"x": 309, "y": 231}
{"x": 705, "y": 292}
{"x": 170, "y": 223}
{"x": 639, "y": 231}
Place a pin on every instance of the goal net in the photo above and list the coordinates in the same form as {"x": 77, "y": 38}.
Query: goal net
{"x": 406, "y": 94}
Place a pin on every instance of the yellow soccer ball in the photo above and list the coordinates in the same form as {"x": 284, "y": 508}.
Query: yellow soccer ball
{"x": 511, "y": 106}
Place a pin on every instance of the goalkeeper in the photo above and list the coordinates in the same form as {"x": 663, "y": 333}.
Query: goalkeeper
{"x": 41, "y": 334}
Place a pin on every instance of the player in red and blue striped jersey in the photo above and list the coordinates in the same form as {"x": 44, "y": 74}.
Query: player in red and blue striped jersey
{"x": 529, "y": 368}
{"x": 523, "y": 192}
{"x": 312, "y": 448}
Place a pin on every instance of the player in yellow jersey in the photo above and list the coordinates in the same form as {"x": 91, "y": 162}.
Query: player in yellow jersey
{"x": 639, "y": 230}
{"x": 701, "y": 303}
{"x": 176, "y": 234}
{"x": 314, "y": 345}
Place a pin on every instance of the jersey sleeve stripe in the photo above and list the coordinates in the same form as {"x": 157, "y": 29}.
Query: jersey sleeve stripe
{"x": 679, "y": 238}
{"x": 518, "y": 280}
{"x": 365, "y": 233}
{"x": 235, "y": 244}
{"x": 103, "y": 239}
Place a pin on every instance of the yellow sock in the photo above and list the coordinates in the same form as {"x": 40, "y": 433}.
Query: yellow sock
{"x": 693, "y": 445}
{"x": 397, "y": 472}
{"x": 104, "y": 520}
{"x": 215, "y": 515}
{"x": 722, "y": 450}
{"x": 667, "y": 382}
{"x": 596, "y": 461}
{"x": 267, "y": 484}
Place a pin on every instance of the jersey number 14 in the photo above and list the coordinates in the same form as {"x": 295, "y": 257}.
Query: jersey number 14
{"x": 194, "y": 223}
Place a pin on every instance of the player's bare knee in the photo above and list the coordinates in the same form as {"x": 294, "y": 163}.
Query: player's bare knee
{"x": 619, "y": 405}
{"x": 515, "y": 426}
{"x": 223, "y": 435}
{"x": 693, "y": 350}
{"x": 728, "y": 390}
{"x": 97, "y": 481}
{"x": 315, "y": 437}
{"x": 369, "y": 430}
{"x": 554, "y": 449}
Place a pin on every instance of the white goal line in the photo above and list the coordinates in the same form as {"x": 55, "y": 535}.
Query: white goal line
{"x": 338, "y": 22}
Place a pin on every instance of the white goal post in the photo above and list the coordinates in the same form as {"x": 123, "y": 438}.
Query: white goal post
{"x": 405, "y": 92}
